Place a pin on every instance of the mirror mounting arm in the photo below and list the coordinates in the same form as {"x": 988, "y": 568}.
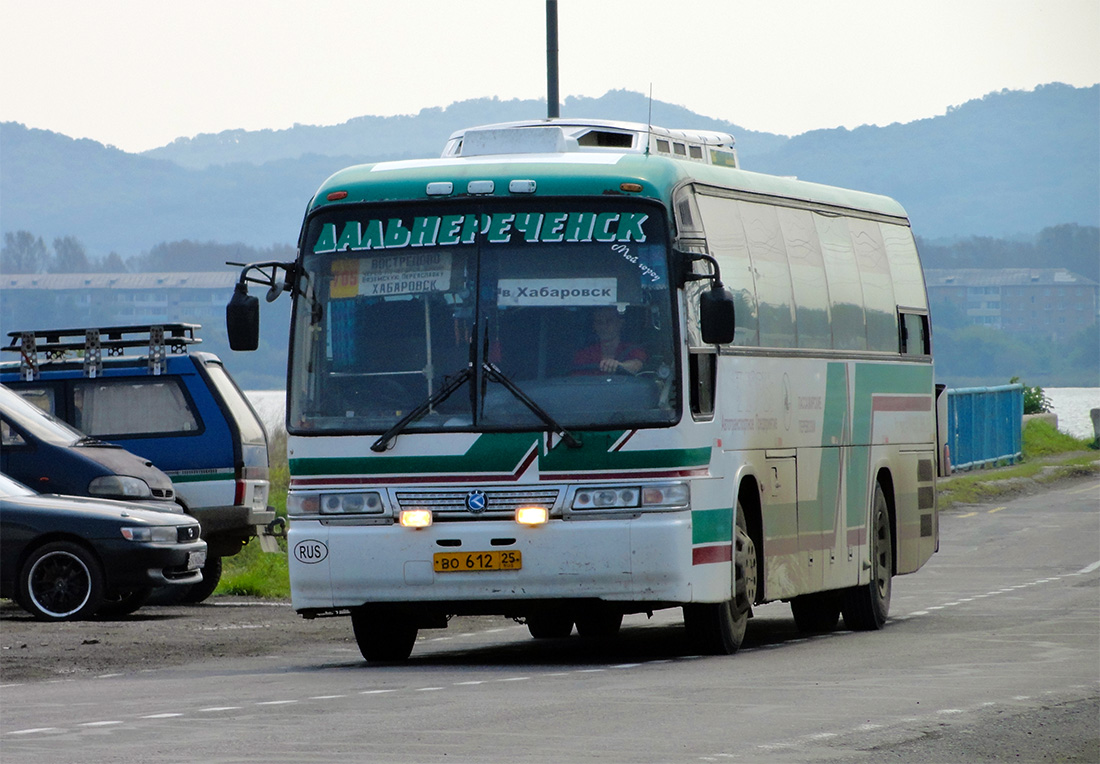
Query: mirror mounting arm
{"x": 267, "y": 274}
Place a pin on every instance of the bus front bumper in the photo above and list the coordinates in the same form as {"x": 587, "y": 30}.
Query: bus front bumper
{"x": 640, "y": 559}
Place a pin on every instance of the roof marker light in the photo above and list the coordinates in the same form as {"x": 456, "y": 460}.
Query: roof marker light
{"x": 521, "y": 186}
{"x": 477, "y": 187}
{"x": 440, "y": 188}
{"x": 336, "y": 196}
{"x": 630, "y": 187}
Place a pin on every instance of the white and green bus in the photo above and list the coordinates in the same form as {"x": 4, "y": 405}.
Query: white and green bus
{"x": 575, "y": 370}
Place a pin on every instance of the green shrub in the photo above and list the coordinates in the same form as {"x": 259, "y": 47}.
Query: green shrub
{"x": 1035, "y": 400}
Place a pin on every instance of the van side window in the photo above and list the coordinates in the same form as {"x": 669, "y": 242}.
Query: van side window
{"x": 117, "y": 408}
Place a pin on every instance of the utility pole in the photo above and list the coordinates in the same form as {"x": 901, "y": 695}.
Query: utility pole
{"x": 552, "y": 111}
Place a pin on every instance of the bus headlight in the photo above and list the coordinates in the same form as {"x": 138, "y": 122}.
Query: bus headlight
{"x": 657, "y": 496}
{"x": 351, "y": 503}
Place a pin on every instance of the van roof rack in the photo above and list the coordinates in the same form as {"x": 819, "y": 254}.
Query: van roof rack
{"x": 89, "y": 343}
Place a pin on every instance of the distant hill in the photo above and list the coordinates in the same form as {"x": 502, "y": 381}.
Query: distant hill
{"x": 1010, "y": 163}
{"x": 423, "y": 134}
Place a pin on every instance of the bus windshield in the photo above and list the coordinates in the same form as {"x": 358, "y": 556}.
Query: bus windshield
{"x": 569, "y": 307}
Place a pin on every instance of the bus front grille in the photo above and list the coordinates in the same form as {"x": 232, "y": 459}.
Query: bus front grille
{"x": 456, "y": 504}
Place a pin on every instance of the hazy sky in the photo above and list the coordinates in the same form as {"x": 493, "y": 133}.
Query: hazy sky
{"x": 140, "y": 73}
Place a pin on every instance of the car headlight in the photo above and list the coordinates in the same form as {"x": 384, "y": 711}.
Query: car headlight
{"x": 165, "y": 534}
{"x": 657, "y": 496}
{"x": 120, "y": 487}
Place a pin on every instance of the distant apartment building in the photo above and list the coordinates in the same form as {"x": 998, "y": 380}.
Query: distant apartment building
{"x": 63, "y": 300}
{"x": 1052, "y": 303}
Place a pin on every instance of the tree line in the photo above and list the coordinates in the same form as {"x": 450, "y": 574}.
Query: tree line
{"x": 1073, "y": 247}
{"x": 23, "y": 252}
{"x": 1070, "y": 246}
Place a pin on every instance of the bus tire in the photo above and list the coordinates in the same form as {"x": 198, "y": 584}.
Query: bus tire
{"x": 599, "y": 624}
{"x": 550, "y": 625}
{"x": 719, "y": 628}
{"x": 383, "y": 638}
{"x": 865, "y": 607}
{"x": 816, "y": 612}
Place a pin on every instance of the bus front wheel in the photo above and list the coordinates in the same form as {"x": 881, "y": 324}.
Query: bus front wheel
{"x": 383, "y": 637}
{"x": 719, "y": 628}
{"x": 865, "y": 607}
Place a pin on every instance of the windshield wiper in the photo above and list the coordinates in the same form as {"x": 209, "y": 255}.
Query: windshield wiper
{"x": 495, "y": 374}
{"x": 437, "y": 397}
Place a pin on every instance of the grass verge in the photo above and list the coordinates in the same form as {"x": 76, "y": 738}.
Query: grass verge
{"x": 253, "y": 572}
{"x": 1049, "y": 455}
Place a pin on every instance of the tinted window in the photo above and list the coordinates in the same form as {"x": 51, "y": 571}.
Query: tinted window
{"x": 811, "y": 291}
{"x": 729, "y": 246}
{"x": 878, "y": 291}
{"x": 845, "y": 292}
{"x": 773, "y": 276}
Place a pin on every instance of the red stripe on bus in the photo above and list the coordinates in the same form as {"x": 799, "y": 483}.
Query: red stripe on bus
{"x": 901, "y": 403}
{"x": 703, "y": 555}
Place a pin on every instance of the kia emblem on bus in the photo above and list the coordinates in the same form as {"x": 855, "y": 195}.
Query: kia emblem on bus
{"x": 476, "y": 502}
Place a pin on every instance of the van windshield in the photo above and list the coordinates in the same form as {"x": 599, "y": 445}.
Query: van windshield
{"x": 571, "y": 305}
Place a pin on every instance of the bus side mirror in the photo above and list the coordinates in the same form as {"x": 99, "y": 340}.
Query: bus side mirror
{"x": 242, "y": 319}
{"x": 716, "y": 315}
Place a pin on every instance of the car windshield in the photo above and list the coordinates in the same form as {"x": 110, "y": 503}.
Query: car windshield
{"x": 11, "y": 488}
{"x": 569, "y": 307}
{"x": 38, "y": 423}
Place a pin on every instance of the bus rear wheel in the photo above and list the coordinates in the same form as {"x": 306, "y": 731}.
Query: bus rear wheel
{"x": 865, "y": 607}
{"x": 550, "y": 625}
{"x": 383, "y": 637}
{"x": 719, "y": 628}
{"x": 599, "y": 625}
{"x": 816, "y": 612}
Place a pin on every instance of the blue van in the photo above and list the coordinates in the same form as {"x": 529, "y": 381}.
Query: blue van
{"x": 145, "y": 389}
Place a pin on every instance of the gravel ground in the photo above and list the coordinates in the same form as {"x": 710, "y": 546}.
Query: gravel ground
{"x": 154, "y": 637}
{"x": 159, "y": 636}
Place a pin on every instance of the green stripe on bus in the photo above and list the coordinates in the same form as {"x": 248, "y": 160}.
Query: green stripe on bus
{"x": 711, "y": 525}
{"x": 502, "y": 453}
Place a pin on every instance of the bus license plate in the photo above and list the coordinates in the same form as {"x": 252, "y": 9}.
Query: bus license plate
{"x": 471, "y": 562}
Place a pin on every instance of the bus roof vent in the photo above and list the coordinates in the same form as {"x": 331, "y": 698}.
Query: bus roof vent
{"x": 556, "y": 136}
{"x": 502, "y": 140}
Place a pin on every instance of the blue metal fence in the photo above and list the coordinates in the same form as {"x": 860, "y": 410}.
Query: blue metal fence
{"x": 985, "y": 425}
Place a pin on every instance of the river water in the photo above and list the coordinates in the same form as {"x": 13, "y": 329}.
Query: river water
{"x": 1071, "y": 404}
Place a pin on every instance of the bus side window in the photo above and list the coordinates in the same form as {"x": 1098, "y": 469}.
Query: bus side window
{"x": 701, "y": 370}
{"x": 913, "y": 337}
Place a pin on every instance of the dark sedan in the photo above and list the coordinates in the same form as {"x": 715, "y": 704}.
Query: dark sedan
{"x": 40, "y": 450}
{"x": 65, "y": 558}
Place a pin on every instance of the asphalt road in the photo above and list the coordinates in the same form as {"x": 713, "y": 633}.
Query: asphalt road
{"x": 992, "y": 654}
